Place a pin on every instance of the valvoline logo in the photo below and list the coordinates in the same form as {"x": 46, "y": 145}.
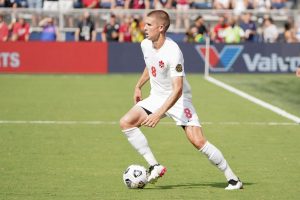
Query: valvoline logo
{"x": 220, "y": 61}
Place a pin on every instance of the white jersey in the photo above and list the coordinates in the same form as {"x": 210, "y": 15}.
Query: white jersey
{"x": 162, "y": 65}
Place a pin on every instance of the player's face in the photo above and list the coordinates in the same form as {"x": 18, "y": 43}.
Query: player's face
{"x": 152, "y": 28}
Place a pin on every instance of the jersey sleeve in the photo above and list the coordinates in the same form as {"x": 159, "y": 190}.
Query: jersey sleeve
{"x": 143, "y": 47}
{"x": 176, "y": 63}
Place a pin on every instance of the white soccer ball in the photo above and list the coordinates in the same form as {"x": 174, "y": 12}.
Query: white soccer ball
{"x": 135, "y": 176}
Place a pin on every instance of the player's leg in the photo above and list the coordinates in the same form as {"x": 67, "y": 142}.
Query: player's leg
{"x": 184, "y": 114}
{"x": 145, "y": 107}
{"x": 133, "y": 118}
{"x": 130, "y": 124}
{"x": 215, "y": 156}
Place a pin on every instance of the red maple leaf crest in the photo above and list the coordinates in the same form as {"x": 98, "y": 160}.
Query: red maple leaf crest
{"x": 161, "y": 64}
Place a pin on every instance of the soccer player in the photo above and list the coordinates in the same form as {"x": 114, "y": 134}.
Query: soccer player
{"x": 170, "y": 96}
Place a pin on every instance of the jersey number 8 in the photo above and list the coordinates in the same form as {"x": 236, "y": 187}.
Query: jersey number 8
{"x": 188, "y": 113}
{"x": 153, "y": 71}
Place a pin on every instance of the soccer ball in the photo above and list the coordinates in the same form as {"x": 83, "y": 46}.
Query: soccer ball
{"x": 135, "y": 176}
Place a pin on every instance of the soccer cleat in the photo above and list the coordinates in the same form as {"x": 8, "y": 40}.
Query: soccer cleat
{"x": 234, "y": 185}
{"x": 155, "y": 172}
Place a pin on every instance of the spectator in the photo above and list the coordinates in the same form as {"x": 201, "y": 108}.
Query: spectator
{"x": 110, "y": 31}
{"x": 160, "y": 4}
{"x": 250, "y": 4}
{"x": 118, "y": 4}
{"x": 86, "y": 29}
{"x": 197, "y": 32}
{"x": 50, "y": 5}
{"x": 19, "y": 3}
{"x": 182, "y": 8}
{"x": 202, "y": 4}
{"x": 20, "y": 30}
{"x": 3, "y": 3}
{"x": 137, "y": 33}
{"x": 289, "y": 33}
{"x": 248, "y": 26}
{"x": 217, "y": 33}
{"x": 233, "y": 33}
{"x": 270, "y": 31}
{"x": 278, "y": 4}
{"x": 262, "y": 5}
{"x": 90, "y": 3}
{"x": 3, "y": 29}
{"x": 77, "y": 4}
{"x": 125, "y": 30}
{"x": 221, "y": 4}
{"x": 64, "y": 7}
{"x": 199, "y": 24}
{"x": 137, "y": 4}
{"x": 35, "y": 4}
{"x": 239, "y": 6}
{"x": 192, "y": 35}
{"x": 50, "y": 31}
{"x": 106, "y": 4}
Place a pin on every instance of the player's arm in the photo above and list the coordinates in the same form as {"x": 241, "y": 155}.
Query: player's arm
{"x": 153, "y": 119}
{"x": 138, "y": 88}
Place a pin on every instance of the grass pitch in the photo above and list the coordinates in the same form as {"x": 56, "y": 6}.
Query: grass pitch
{"x": 80, "y": 161}
{"x": 282, "y": 90}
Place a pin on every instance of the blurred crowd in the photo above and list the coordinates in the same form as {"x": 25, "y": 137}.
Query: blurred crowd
{"x": 238, "y": 26}
{"x": 237, "y": 5}
{"x": 236, "y": 29}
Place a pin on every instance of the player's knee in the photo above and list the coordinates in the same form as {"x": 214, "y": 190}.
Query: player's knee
{"x": 125, "y": 123}
{"x": 199, "y": 142}
{"x": 122, "y": 123}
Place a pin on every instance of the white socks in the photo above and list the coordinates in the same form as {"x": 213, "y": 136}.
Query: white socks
{"x": 140, "y": 143}
{"x": 216, "y": 157}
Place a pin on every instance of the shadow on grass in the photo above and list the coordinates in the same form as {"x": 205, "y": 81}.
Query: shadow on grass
{"x": 193, "y": 185}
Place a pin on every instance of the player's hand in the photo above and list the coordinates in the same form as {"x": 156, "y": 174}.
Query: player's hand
{"x": 137, "y": 95}
{"x": 152, "y": 120}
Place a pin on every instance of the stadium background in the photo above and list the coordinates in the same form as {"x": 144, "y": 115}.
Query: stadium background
{"x": 256, "y": 55}
{"x": 59, "y": 134}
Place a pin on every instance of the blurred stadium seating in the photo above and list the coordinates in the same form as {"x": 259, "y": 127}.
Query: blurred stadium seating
{"x": 66, "y": 19}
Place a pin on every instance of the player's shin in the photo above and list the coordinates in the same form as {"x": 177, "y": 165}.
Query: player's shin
{"x": 140, "y": 143}
{"x": 216, "y": 158}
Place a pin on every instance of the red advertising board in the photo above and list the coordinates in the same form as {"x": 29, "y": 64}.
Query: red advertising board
{"x": 54, "y": 57}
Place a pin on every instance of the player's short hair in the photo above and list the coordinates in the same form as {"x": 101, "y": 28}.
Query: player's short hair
{"x": 162, "y": 16}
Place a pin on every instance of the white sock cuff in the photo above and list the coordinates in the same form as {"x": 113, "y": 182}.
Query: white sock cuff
{"x": 129, "y": 130}
{"x": 204, "y": 146}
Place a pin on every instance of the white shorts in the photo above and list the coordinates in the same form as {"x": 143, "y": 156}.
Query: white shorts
{"x": 183, "y": 111}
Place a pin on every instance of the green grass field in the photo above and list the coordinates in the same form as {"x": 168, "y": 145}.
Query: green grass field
{"x": 79, "y": 161}
{"x": 281, "y": 90}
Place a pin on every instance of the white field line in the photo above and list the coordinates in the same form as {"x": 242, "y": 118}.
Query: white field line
{"x": 257, "y": 101}
{"x": 47, "y": 122}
